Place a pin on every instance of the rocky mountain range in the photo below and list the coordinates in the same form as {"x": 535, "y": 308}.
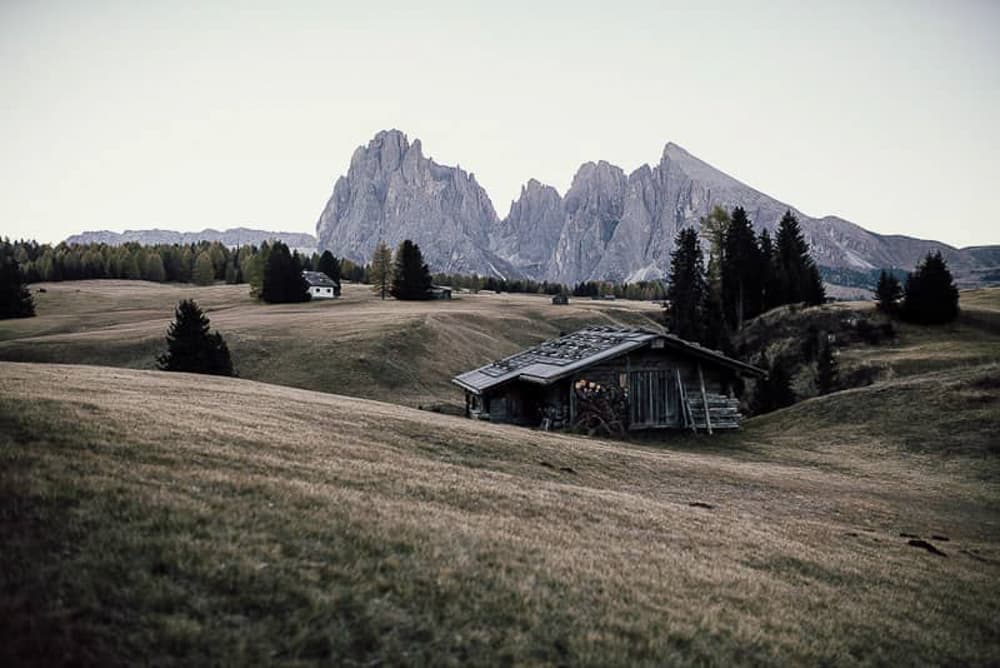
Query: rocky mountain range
{"x": 236, "y": 236}
{"x": 609, "y": 225}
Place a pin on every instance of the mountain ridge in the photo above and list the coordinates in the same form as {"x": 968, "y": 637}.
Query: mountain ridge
{"x": 233, "y": 236}
{"x": 608, "y": 225}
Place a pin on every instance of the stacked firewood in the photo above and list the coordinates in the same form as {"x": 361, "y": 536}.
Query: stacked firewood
{"x": 600, "y": 409}
{"x": 554, "y": 417}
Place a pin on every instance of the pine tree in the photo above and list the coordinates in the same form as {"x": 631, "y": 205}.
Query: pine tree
{"x": 769, "y": 275}
{"x": 282, "y": 281}
{"x": 741, "y": 279}
{"x": 329, "y": 265}
{"x": 411, "y": 279}
{"x": 798, "y": 278}
{"x": 15, "y": 298}
{"x": 774, "y": 391}
{"x": 687, "y": 291}
{"x": 888, "y": 293}
{"x": 191, "y": 347}
{"x": 931, "y": 297}
{"x": 381, "y": 272}
{"x": 826, "y": 367}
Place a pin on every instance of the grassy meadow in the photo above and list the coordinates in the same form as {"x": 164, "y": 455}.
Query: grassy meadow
{"x": 403, "y": 352}
{"x": 149, "y": 517}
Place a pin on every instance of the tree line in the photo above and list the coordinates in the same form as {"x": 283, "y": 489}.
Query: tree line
{"x": 746, "y": 275}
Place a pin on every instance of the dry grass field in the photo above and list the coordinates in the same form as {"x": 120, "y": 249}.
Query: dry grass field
{"x": 163, "y": 518}
{"x": 405, "y": 352}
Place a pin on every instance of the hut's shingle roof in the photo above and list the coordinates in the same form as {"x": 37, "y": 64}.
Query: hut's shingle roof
{"x": 554, "y": 359}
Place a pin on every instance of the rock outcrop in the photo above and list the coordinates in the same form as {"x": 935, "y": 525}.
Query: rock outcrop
{"x": 392, "y": 192}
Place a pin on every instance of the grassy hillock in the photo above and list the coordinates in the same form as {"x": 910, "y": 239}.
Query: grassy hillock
{"x": 871, "y": 347}
{"x": 405, "y": 352}
{"x": 164, "y": 518}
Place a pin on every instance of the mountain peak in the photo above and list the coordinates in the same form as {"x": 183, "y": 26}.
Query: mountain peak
{"x": 673, "y": 150}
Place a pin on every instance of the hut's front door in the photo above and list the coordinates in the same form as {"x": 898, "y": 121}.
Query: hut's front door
{"x": 652, "y": 399}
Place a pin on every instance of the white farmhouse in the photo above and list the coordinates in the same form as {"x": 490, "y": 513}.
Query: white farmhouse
{"x": 321, "y": 286}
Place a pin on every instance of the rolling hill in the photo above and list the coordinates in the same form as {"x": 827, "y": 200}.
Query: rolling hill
{"x": 154, "y": 517}
{"x": 404, "y": 352}
{"x": 169, "y": 518}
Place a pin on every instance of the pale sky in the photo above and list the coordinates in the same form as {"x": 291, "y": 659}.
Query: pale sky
{"x": 130, "y": 115}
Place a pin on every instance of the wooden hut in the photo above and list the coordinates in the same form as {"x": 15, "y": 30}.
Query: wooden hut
{"x": 611, "y": 379}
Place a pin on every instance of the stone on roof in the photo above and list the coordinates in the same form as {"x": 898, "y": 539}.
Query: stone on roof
{"x": 557, "y": 358}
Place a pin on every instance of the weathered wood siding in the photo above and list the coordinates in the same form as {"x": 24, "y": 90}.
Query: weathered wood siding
{"x": 654, "y": 369}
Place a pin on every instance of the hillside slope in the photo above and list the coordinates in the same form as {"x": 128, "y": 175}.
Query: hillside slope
{"x": 149, "y": 516}
{"x": 405, "y": 352}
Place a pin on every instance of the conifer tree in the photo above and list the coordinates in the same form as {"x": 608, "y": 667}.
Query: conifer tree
{"x": 254, "y": 268}
{"x": 204, "y": 270}
{"x": 191, "y": 347}
{"x": 687, "y": 291}
{"x": 931, "y": 297}
{"x": 714, "y": 228}
{"x": 774, "y": 391}
{"x": 826, "y": 367}
{"x": 770, "y": 289}
{"x": 15, "y": 298}
{"x": 329, "y": 265}
{"x": 282, "y": 280}
{"x": 381, "y": 272}
{"x": 130, "y": 267}
{"x": 411, "y": 278}
{"x": 741, "y": 279}
{"x": 798, "y": 278}
{"x": 888, "y": 293}
{"x": 154, "y": 268}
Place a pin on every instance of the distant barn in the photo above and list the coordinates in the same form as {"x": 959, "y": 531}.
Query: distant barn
{"x": 439, "y": 292}
{"x": 610, "y": 379}
{"x": 321, "y": 286}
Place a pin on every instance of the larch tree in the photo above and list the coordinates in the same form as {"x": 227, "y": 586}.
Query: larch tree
{"x": 204, "y": 269}
{"x": 714, "y": 228}
{"x": 154, "y": 268}
{"x": 381, "y": 273}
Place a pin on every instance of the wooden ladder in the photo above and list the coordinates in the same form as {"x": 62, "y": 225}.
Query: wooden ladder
{"x": 685, "y": 406}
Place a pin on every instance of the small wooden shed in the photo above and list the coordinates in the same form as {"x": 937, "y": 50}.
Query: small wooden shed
{"x": 628, "y": 379}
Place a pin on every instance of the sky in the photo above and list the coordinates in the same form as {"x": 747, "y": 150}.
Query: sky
{"x": 133, "y": 115}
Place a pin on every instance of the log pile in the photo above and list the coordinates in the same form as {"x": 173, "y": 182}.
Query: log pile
{"x": 554, "y": 417}
{"x": 600, "y": 409}
{"x": 724, "y": 411}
